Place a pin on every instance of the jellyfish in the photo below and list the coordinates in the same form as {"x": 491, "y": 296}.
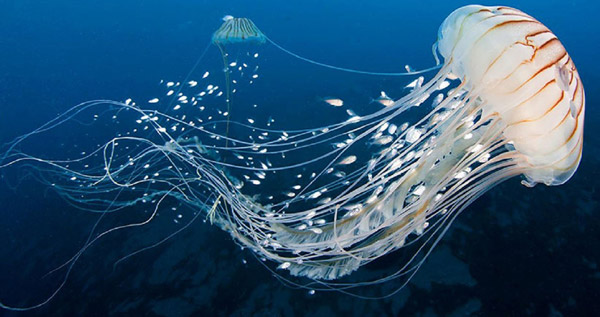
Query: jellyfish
{"x": 234, "y": 30}
{"x": 518, "y": 110}
{"x": 345, "y": 194}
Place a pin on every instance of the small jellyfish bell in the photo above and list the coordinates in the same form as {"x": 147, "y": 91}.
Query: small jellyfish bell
{"x": 235, "y": 30}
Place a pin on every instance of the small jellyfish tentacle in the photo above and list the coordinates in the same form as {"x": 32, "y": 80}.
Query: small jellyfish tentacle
{"x": 355, "y": 71}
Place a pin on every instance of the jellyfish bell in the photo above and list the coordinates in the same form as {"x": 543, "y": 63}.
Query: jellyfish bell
{"x": 523, "y": 74}
{"x": 236, "y": 30}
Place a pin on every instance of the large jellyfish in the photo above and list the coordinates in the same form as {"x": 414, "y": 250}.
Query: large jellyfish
{"x": 508, "y": 101}
{"x": 517, "y": 111}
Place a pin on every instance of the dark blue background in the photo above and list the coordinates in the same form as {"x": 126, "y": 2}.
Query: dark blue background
{"x": 515, "y": 251}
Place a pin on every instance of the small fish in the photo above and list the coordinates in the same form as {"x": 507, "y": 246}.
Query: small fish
{"x": 484, "y": 158}
{"x": 383, "y": 127}
{"x": 336, "y": 102}
{"x": 348, "y": 160}
{"x": 419, "y": 190}
{"x": 324, "y": 201}
{"x": 451, "y": 76}
{"x": 155, "y": 100}
{"x": 416, "y": 84}
{"x": 444, "y": 84}
{"x": 460, "y": 175}
{"x": 392, "y": 129}
{"x": 436, "y": 101}
{"x": 413, "y": 134}
{"x": 573, "y": 109}
{"x": 284, "y": 265}
{"x": 227, "y": 18}
{"x": 404, "y": 126}
{"x": 339, "y": 174}
{"x": 383, "y": 99}
{"x": 383, "y": 140}
{"x": 315, "y": 195}
{"x": 563, "y": 77}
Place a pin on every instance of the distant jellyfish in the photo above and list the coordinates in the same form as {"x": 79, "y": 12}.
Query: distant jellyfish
{"x": 232, "y": 31}
{"x": 353, "y": 191}
{"x": 236, "y": 30}
{"x": 243, "y": 30}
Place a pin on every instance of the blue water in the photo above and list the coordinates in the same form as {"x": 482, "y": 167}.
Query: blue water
{"x": 515, "y": 251}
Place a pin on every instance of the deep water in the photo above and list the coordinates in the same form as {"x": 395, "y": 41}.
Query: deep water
{"x": 515, "y": 251}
